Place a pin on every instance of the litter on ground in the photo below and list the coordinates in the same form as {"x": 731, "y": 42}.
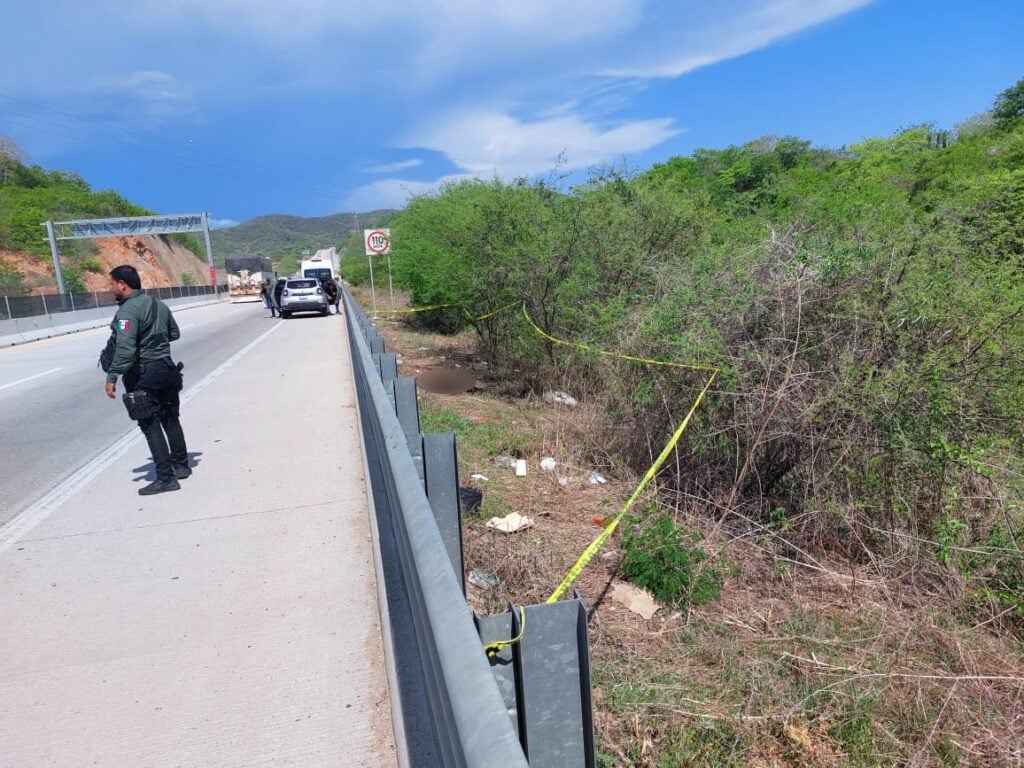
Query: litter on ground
{"x": 548, "y": 463}
{"x": 510, "y": 523}
{"x": 470, "y": 500}
{"x": 639, "y": 601}
{"x": 482, "y": 579}
{"x": 557, "y": 397}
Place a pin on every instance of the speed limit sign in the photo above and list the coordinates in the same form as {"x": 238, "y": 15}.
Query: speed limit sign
{"x": 378, "y": 241}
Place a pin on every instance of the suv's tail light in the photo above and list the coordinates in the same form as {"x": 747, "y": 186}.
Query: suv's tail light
{"x": 284, "y": 292}
{"x": 319, "y": 291}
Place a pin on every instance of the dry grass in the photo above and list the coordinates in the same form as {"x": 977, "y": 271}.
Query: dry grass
{"x": 804, "y": 661}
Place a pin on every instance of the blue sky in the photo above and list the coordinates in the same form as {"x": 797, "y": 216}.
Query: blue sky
{"x": 312, "y": 107}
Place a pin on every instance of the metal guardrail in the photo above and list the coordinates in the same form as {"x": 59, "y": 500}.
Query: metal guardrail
{"x": 443, "y": 674}
{"x": 15, "y": 307}
{"x": 529, "y": 703}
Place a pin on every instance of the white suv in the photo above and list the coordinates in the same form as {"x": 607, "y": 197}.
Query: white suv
{"x": 303, "y": 294}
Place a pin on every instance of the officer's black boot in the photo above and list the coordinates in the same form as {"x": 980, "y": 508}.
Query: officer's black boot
{"x": 160, "y": 486}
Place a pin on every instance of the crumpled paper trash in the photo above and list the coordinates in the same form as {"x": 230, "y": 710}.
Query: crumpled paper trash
{"x": 637, "y": 600}
{"x": 482, "y": 579}
{"x": 548, "y": 463}
{"x": 557, "y": 397}
{"x": 510, "y": 523}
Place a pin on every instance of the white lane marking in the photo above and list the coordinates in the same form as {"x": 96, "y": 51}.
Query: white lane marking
{"x": 190, "y": 325}
{"x": 30, "y": 378}
{"x": 34, "y": 514}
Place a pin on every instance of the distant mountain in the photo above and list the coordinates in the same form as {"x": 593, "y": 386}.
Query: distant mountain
{"x": 281, "y": 237}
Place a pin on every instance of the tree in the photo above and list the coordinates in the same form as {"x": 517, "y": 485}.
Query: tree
{"x": 1009, "y": 106}
{"x": 11, "y": 156}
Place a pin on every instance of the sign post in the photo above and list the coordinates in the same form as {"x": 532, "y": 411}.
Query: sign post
{"x": 377, "y": 242}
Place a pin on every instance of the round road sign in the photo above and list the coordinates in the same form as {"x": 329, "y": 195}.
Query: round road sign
{"x": 378, "y": 241}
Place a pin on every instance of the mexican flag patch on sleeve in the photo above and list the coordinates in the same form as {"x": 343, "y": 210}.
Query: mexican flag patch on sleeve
{"x": 124, "y": 325}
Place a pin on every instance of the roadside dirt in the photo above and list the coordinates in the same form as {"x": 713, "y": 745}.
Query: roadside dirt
{"x": 802, "y": 660}
{"x": 160, "y": 262}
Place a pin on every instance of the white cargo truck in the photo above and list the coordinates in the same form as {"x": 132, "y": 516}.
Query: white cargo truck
{"x": 246, "y": 275}
{"x": 322, "y": 264}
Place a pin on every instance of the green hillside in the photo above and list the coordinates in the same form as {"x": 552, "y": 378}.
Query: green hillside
{"x": 30, "y": 195}
{"x": 282, "y": 238}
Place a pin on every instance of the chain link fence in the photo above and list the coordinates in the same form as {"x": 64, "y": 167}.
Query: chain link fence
{"x": 12, "y": 307}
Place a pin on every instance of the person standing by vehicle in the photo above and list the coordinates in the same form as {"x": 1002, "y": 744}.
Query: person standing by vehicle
{"x": 333, "y": 293}
{"x": 142, "y": 332}
{"x": 278, "y": 290}
{"x": 268, "y": 298}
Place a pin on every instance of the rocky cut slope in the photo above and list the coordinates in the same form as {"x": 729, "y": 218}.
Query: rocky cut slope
{"x": 161, "y": 262}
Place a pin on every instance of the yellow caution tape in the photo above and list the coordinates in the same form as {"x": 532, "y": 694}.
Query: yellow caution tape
{"x": 413, "y": 309}
{"x": 596, "y": 544}
{"x": 491, "y": 314}
{"x": 470, "y": 315}
{"x": 493, "y": 649}
{"x": 589, "y": 348}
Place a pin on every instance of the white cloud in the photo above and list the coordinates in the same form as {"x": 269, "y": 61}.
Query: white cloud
{"x": 139, "y": 97}
{"x": 394, "y": 193}
{"x": 511, "y": 35}
{"x": 491, "y": 142}
{"x": 272, "y": 22}
{"x": 688, "y": 39}
{"x": 401, "y": 165}
{"x": 429, "y": 39}
{"x": 223, "y": 223}
{"x": 435, "y": 23}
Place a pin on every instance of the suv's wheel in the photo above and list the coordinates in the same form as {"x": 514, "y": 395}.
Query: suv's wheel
{"x": 285, "y": 314}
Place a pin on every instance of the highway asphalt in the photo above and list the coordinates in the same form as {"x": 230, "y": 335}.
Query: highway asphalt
{"x": 234, "y": 622}
{"x": 54, "y": 416}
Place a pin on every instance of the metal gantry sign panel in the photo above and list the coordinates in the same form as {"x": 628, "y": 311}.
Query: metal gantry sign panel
{"x": 132, "y": 225}
{"x": 83, "y": 229}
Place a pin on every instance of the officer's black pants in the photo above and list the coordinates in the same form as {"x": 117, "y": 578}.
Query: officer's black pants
{"x": 160, "y": 379}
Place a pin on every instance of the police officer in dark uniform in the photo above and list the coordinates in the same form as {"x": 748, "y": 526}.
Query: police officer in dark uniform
{"x": 143, "y": 330}
{"x": 278, "y": 290}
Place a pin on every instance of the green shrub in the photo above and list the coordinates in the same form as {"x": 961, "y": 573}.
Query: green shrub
{"x": 660, "y": 561}
{"x": 73, "y": 281}
{"x": 12, "y": 281}
{"x": 90, "y": 264}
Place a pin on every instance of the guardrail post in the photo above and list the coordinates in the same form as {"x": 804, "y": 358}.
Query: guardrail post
{"x": 441, "y": 479}
{"x": 492, "y": 629}
{"x": 556, "y": 722}
{"x": 406, "y": 405}
{"x": 416, "y": 452}
{"x": 8, "y": 303}
{"x": 387, "y": 365}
